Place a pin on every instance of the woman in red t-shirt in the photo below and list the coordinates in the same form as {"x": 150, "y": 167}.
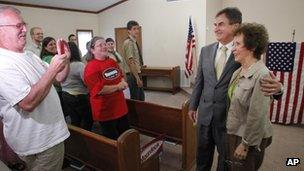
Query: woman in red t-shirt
{"x": 104, "y": 80}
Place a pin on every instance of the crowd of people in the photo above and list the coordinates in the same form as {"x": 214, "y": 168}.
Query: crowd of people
{"x": 39, "y": 88}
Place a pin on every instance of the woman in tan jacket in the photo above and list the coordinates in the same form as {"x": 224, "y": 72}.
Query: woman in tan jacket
{"x": 249, "y": 130}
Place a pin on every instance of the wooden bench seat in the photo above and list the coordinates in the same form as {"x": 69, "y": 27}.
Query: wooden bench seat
{"x": 171, "y": 73}
{"x": 153, "y": 119}
{"x": 101, "y": 153}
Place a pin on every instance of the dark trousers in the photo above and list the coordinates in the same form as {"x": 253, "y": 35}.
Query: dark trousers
{"x": 209, "y": 137}
{"x": 114, "y": 128}
{"x": 79, "y": 110}
{"x": 137, "y": 93}
{"x": 254, "y": 158}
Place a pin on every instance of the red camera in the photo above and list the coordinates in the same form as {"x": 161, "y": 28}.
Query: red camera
{"x": 60, "y": 46}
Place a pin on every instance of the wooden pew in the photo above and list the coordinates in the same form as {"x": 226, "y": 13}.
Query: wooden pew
{"x": 153, "y": 119}
{"x": 100, "y": 153}
{"x": 171, "y": 73}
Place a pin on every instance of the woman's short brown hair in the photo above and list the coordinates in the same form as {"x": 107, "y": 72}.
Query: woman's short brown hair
{"x": 255, "y": 38}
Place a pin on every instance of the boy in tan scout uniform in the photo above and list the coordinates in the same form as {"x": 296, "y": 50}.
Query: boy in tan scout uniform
{"x": 134, "y": 62}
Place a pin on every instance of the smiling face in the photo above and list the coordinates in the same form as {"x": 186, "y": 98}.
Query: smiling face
{"x": 73, "y": 39}
{"x": 134, "y": 31}
{"x": 100, "y": 49}
{"x": 239, "y": 50}
{"x": 110, "y": 46}
{"x": 223, "y": 29}
{"x": 12, "y": 31}
{"x": 51, "y": 47}
{"x": 37, "y": 35}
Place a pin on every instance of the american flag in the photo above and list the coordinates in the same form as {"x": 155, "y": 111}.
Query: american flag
{"x": 285, "y": 59}
{"x": 189, "y": 51}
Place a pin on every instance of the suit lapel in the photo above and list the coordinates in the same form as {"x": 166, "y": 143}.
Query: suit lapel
{"x": 228, "y": 65}
{"x": 213, "y": 55}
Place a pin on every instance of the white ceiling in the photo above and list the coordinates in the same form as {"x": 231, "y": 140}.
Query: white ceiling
{"x": 83, "y": 5}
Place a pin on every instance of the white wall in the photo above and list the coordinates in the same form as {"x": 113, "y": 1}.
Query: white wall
{"x": 165, "y": 24}
{"x": 58, "y": 23}
{"x": 164, "y": 27}
{"x": 213, "y": 6}
{"x": 280, "y": 17}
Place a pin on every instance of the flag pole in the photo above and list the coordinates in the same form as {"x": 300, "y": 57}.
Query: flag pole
{"x": 293, "y": 35}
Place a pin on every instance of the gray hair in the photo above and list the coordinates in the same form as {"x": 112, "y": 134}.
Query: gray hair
{"x": 33, "y": 29}
{"x": 89, "y": 56}
{"x": 5, "y": 8}
{"x": 233, "y": 14}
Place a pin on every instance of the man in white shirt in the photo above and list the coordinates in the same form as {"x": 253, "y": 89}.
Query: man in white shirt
{"x": 34, "y": 126}
{"x": 37, "y": 37}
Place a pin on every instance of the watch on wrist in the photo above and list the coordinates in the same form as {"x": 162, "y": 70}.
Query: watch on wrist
{"x": 281, "y": 90}
{"x": 245, "y": 143}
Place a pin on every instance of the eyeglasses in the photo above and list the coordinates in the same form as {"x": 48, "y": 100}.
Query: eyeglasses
{"x": 99, "y": 45}
{"x": 18, "y": 25}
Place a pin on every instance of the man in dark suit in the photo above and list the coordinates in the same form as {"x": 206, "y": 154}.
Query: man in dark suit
{"x": 208, "y": 102}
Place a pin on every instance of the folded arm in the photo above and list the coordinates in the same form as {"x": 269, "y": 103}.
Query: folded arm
{"x": 108, "y": 89}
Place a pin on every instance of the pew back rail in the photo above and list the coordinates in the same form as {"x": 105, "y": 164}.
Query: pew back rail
{"x": 153, "y": 119}
{"x": 172, "y": 73}
{"x": 101, "y": 153}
